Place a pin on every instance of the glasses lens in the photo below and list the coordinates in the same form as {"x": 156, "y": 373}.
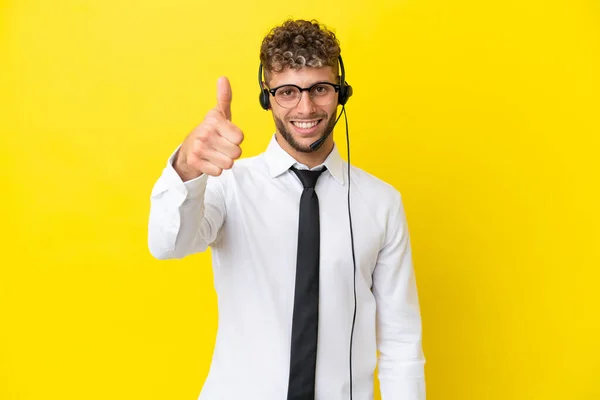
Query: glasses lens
{"x": 287, "y": 96}
{"x": 322, "y": 94}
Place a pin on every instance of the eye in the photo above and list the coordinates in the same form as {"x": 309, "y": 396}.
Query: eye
{"x": 321, "y": 89}
{"x": 287, "y": 92}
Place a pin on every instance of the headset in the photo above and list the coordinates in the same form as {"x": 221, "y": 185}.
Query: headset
{"x": 345, "y": 92}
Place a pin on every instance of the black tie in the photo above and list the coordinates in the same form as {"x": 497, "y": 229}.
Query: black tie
{"x": 303, "y": 356}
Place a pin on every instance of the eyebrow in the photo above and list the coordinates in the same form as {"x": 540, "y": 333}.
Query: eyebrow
{"x": 304, "y": 87}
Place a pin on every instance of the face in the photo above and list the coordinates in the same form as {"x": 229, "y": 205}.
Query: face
{"x": 306, "y": 122}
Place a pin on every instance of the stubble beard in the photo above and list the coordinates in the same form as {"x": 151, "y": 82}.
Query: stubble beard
{"x": 289, "y": 138}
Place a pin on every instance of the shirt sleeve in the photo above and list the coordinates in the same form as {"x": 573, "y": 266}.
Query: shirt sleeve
{"x": 401, "y": 361}
{"x": 185, "y": 217}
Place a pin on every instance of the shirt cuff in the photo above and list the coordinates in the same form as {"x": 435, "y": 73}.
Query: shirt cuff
{"x": 194, "y": 187}
{"x": 405, "y": 389}
{"x": 170, "y": 180}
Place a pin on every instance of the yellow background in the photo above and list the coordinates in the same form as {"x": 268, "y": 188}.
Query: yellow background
{"x": 485, "y": 115}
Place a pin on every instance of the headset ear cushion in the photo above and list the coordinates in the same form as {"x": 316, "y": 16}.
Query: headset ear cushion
{"x": 345, "y": 93}
{"x": 348, "y": 91}
{"x": 264, "y": 99}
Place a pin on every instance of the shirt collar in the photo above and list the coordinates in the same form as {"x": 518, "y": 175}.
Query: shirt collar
{"x": 279, "y": 161}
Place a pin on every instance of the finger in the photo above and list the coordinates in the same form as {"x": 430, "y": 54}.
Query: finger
{"x": 230, "y": 131}
{"x": 224, "y": 146}
{"x": 206, "y": 167}
{"x": 218, "y": 159}
{"x": 224, "y": 96}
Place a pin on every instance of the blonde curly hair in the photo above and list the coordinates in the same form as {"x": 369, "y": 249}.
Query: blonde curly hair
{"x": 299, "y": 43}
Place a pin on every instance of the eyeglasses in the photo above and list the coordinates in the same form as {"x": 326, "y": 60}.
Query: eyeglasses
{"x": 321, "y": 93}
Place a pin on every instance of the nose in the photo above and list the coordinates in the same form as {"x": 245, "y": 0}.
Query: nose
{"x": 305, "y": 105}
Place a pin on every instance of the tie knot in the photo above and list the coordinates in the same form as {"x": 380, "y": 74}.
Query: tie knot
{"x": 307, "y": 177}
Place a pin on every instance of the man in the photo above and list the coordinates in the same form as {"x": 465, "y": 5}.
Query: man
{"x": 306, "y": 300}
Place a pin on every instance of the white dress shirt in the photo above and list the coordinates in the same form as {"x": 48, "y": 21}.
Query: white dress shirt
{"x": 249, "y": 218}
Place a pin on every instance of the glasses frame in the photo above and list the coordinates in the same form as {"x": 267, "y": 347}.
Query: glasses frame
{"x": 336, "y": 88}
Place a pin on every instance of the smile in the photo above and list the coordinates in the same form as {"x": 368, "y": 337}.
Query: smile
{"x": 305, "y": 124}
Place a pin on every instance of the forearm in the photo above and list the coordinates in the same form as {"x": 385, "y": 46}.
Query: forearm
{"x": 185, "y": 217}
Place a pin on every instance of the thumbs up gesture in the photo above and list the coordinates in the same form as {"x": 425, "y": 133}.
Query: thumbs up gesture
{"x": 214, "y": 144}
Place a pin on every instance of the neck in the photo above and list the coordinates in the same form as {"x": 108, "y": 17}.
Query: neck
{"x": 311, "y": 159}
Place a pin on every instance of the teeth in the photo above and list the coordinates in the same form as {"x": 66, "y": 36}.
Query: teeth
{"x": 305, "y": 125}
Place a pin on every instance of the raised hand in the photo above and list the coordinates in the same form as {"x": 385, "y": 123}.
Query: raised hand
{"x": 213, "y": 145}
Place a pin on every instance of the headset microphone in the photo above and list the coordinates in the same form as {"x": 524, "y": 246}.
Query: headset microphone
{"x": 315, "y": 146}
{"x": 317, "y": 143}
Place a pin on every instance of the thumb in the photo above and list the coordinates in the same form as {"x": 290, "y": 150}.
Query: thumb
{"x": 224, "y": 96}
